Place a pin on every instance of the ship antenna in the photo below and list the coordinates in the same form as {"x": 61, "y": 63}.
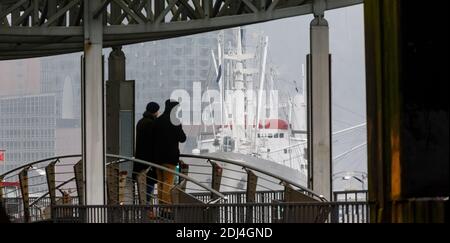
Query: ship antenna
{"x": 261, "y": 86}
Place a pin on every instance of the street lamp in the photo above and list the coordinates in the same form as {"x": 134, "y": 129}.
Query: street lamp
{"x": 347, "y": 178}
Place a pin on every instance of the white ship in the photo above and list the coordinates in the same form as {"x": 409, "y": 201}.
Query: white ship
{"x": 249, "y": 131}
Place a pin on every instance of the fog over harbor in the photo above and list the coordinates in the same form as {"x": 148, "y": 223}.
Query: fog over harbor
{"x": 56, "y": 91}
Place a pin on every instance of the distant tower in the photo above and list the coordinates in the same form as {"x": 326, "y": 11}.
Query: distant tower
{"x": 67, "y": 102}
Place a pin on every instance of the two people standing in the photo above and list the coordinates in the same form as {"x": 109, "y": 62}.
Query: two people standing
{"x": 157, "y": 141}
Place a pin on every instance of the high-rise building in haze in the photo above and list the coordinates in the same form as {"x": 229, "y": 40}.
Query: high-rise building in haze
{"x": 159, "y": 67}
{"x": 27, "y": 118}
{"x": 27, "y": 130}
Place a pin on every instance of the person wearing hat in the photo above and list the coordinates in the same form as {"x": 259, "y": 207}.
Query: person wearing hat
{"x": 169, "y": 133}
{"x": 145, "y": 146}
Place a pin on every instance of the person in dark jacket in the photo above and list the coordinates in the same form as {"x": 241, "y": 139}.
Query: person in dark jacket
{"x": 145, "y": 146}
{"x": 169, "y": 133}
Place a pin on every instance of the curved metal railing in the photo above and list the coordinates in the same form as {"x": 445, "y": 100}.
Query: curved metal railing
{"x": 30, "y": 202}
{"x": 247, "y": 167}
{"x": 30, "y": 199}
{"x": 123, "y": 159}
{"x": 56, "y": 158}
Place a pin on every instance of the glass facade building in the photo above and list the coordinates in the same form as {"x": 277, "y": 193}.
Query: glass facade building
{"x": 27, "y": 131}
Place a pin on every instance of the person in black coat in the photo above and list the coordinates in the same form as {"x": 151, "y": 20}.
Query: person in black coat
{"x": 144, "y": 146}
{"x": 169, "y": 133}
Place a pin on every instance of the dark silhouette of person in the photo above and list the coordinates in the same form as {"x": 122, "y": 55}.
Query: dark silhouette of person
{"x": 144, "y": 146}
{"x": 168, "y": 133}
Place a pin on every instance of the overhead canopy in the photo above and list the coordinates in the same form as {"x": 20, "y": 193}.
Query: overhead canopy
{"x": 34, "y": 28}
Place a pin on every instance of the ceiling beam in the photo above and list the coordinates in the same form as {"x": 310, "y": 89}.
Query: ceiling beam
{"x": 22, "y": 41}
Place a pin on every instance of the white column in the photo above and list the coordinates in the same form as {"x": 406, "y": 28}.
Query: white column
{"x": 93, "y": 107}
{"x": 320, "y": 104}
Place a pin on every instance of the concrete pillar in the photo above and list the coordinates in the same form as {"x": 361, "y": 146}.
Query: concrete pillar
{"x": 120, "y": 94}
{"x": 116, "y": 74}
{"x": 120, "y": 113}
{"x": 319, "y": 96}
{"x": 93, "y": 127}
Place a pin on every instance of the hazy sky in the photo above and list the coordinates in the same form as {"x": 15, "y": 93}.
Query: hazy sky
{"x": 288, "y": 47}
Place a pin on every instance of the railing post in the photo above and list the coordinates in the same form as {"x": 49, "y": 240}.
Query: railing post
{"x": 122, "y": 186}
{"x": 216, "y": 178}
{"x": 142, "y": 186}
{"x": 50, "y": 174}
{"x": 216, "y": 181}
{"x": 51, "y": 184}
{"x": 252, "y": 180}
{"x": 2, "y": 202}
{"x": 23, "y": 179}
{"x": 184, "y": 169}
{"x": 113, "y": 184}
{"x": 78, "y": 170}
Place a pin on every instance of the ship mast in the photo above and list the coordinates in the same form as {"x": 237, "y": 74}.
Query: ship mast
{"x": 265, "y": 42}
{"x": 221, "y": 73}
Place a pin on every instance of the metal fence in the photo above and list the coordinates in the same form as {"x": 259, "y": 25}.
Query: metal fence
{"x": 269, "y": 196}
{"x": 241, "y": 196}
{"x": 39, "y": 209}
{"x": 351, "y": 196}
{"x": 349, "y": 212}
